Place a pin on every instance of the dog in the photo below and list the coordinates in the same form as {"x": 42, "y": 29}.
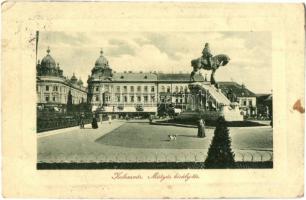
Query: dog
{"x": 172, "y": 137}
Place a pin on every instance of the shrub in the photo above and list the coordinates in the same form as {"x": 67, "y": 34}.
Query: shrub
{"x": 220, "y": 154}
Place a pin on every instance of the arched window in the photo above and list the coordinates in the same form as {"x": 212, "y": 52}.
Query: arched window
{"x": 176, "y": 88}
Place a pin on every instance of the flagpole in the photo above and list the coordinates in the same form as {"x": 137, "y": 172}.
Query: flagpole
{"x": 37, "y": 38}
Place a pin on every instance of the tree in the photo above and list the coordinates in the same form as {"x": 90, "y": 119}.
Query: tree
{"x": 69, "y": 102}
{"x": 220, "y": 154}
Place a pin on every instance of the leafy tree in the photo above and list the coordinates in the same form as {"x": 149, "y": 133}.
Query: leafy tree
{"x": 220, "y": 154}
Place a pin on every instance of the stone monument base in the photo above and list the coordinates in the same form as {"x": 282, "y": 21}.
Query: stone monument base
{"x": 209, "y": 103}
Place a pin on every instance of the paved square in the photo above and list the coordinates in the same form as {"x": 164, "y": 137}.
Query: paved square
{"x": 130, "y": 141}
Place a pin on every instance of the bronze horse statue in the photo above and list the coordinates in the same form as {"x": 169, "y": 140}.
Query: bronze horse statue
{"x": 201, "y": 63}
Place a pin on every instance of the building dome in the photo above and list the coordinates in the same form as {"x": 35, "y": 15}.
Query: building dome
{"x": 80, "y": 82}
{"x": 101, "y": 61}
{"x": 48, "y": 61}
{"x": 73, "y": 79}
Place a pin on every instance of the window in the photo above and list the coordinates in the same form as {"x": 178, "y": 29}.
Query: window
{"x": 168, "y": 89}
{"x": 163, "y": 88}
{"x": 145, "y": 88}
{"x": 53, "y": 98}
{"x": 47, "y": 87}
{"x": 97, "y": 89}
{"x": 176, "y": 89}
{"x": 97, "y": 98}
{"x": 244, "y": 103}
{"x": 125, "y": 98}
{"x": 107, "y": 98}
{"x": 47, "y": 99}
{"x": 186, "y": 89}
{"x": 145, "y": 98}
{"x": 54, "y": 88}
{"x": 152, "y": 89}
{"x": 118, "y": 98}
{"x": 250, "y": 102}
{"x": 132, "y": 88}
{"x": 125, "y": 88}
{"x": 106, "y": 87}
{"x": 118, "y": 88}
{"x": 181, "y": 100}
{"x": 132, "y": 98}
{"x": 139, "y": 98}
{"x": 181, "y": 89}
{"x": 176, "y": 100}
{"x": 153, "y": 98}
{"x": 138, "y": 88}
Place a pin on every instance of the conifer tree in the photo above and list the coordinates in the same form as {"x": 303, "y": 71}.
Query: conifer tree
{"x": 69, "y": 102}
{"x": 220, "y": 154}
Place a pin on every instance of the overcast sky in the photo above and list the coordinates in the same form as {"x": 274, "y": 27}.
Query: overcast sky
{"x": 250, "y": 53}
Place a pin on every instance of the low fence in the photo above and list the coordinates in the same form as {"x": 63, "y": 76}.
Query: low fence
{"x": 177, "y": 157}
{"x": 58, "y": 123}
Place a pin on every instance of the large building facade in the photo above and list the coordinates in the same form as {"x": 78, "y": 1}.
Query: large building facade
{"x": 53, "y": 87}
{"x": 131, "y": 92}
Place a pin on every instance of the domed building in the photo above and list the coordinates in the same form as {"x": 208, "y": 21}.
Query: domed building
{"x": 134, "y": 93}
{"x": 48, "y": 67}
{"x": 101, "y": 68}
{"x": 53, "y": 88}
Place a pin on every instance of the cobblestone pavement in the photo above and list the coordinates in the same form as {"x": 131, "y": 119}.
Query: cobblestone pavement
{"x": 138, "y": 141}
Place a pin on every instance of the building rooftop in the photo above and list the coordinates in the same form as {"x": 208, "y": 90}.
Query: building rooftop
{"x": 237, "y": 89}
{"x": 130, "y": 77}
{"x": 178, "y": 77}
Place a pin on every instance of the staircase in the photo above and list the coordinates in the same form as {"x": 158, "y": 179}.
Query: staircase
{"x": 219, "y": 104}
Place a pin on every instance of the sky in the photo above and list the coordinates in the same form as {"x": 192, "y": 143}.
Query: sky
{"x": 169, "y": 52}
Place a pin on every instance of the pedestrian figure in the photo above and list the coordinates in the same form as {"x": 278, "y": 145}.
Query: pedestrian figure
{"x": 201, "y": 128}
{"x": 82, "y": 121}
{"x": 94, "y": 123}
{"x": 150, "y": 119}
{"x": 101, "y": 118}
{"x": 109, "y": 119}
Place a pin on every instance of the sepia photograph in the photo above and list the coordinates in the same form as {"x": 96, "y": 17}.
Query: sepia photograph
{"x": 154, "y": 100}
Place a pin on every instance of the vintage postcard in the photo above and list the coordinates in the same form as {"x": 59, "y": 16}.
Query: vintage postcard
{"x": 152, "y": 100}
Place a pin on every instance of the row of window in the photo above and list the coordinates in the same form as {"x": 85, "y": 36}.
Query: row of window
{"x": 128, "y": 98}
{"x": 125, "y": 88}
{"x": 55, "y": 88}
{"x": 176, "y": 89}
{"x": 54, "y": 99}
{"x": 145, "y": 88}
{"x": 49, "y": 88}
{"x": 245, "y": 102}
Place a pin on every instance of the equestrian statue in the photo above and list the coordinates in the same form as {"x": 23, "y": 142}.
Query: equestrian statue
{"x": 208, "y": 62}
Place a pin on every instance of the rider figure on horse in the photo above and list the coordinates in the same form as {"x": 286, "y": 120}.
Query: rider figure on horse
{"x": 206, "y": 54}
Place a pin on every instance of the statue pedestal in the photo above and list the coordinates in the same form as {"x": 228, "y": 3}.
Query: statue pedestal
{"x": 210, "y": 103}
